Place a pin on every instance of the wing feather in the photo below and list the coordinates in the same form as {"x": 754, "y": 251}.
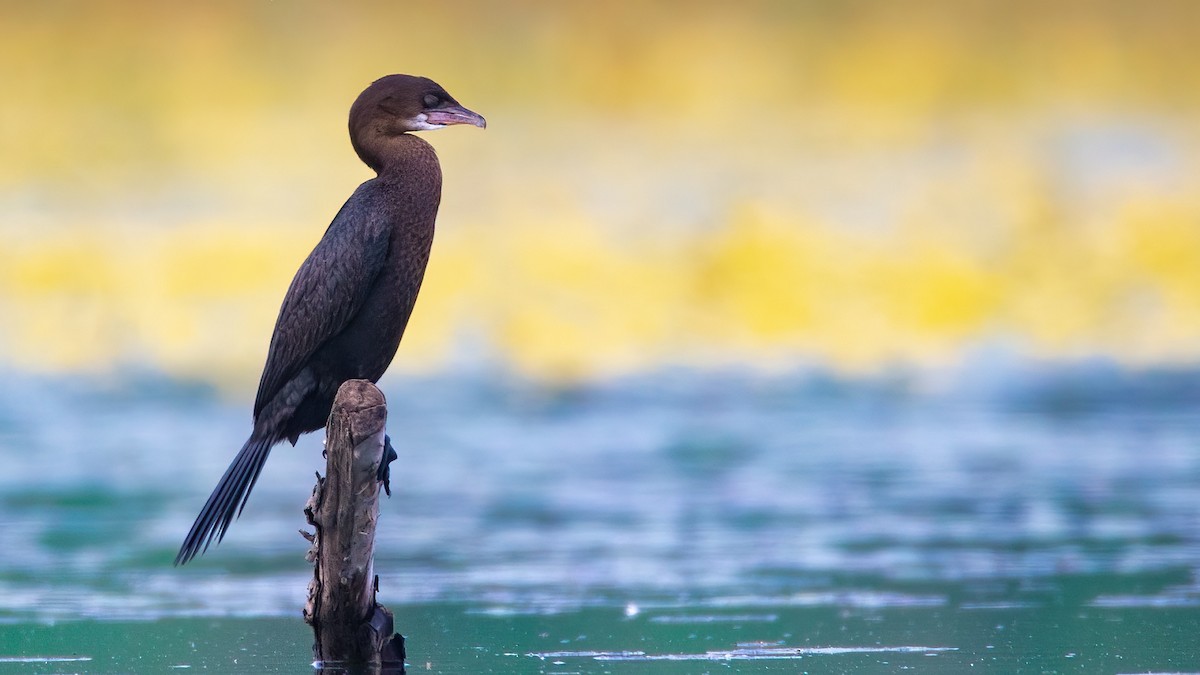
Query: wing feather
{"x": 327, "y": 291}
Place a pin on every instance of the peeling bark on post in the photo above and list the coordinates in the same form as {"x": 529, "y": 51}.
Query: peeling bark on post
{"x": 349, "y": 627}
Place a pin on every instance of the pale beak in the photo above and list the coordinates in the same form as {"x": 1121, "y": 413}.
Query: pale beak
{"x": 454, "y": 115}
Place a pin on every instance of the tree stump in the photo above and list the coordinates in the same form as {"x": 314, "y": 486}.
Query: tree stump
{"x": 352, "y": 632}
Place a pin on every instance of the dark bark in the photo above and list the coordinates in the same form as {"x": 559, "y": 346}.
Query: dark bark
{"x": 352, "y": 632}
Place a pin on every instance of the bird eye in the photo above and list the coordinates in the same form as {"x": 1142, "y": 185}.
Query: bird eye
{"x": 430, "y": 100}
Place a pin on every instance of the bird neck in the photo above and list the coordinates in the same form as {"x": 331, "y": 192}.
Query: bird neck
{"x": 397, "y": 155}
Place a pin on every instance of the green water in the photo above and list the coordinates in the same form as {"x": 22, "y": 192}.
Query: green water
{"x": 1007, "y": 518}
{"x": 455, "y": 639}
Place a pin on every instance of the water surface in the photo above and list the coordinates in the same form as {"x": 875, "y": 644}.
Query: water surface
{"x": 1007, "y": 517}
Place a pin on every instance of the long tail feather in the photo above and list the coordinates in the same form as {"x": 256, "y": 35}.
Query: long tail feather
{"x": 227, "y": 500}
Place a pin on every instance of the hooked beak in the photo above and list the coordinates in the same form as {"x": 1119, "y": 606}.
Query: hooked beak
{"x": 454, "y": 115}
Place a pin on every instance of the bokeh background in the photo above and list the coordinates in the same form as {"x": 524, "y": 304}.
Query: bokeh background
{"x": 857, "y": 326}
{"x": 698, "y": 183}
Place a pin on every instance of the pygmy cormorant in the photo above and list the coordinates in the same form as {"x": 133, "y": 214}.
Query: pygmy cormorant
{"x": 348, "y": 305}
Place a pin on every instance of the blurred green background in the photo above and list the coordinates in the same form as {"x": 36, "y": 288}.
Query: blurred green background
{"x": 700, "y": 183}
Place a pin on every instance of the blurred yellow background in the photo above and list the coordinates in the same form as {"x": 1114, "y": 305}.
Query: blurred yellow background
{"x": 698, "y": 183}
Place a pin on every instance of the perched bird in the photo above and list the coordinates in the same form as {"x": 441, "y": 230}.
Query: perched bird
{"x": 347, "y": 307}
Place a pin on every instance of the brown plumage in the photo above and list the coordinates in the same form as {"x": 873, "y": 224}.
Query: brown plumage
{"x": 344, "y": 314}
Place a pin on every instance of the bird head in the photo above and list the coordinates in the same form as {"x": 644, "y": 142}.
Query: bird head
{"x": 398, "y": 104}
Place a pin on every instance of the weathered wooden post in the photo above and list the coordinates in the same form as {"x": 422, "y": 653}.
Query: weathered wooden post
{"x": 351, "y": 630}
